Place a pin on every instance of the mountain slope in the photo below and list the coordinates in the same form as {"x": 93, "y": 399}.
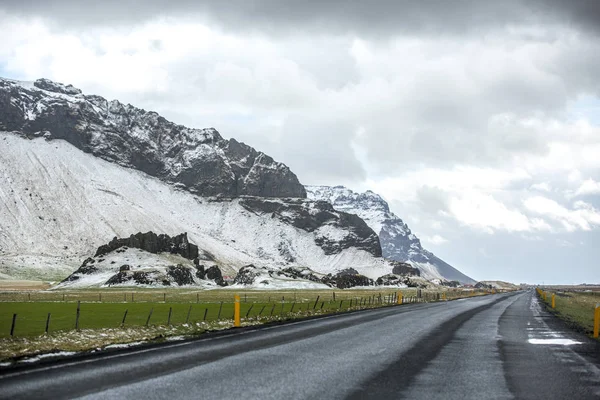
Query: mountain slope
{"x": 58, "y": 204}
{"x": 397, "y": 241}
{"x": 199, "y": 160}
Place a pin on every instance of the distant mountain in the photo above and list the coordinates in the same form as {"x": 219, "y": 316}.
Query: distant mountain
{"x": 397, "y": 241}
{"x": 77, "y": 170}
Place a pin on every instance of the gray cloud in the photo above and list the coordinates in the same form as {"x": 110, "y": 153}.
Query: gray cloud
{"x": 321, "y": 150}
{"x": 340, "y": 16}
{"x": 432, "y": 199}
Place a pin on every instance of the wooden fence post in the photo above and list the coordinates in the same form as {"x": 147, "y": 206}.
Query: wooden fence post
{"x": 12, "y": 326}
{"x": 261, "y": 310}
{"x": 47, "y": 324}
{"x": 250, "y": 309}
{"x": 77, "y": 316}
{"x": 149, "y": 315}
{"x": 220, "y": 308}
{"x": 187, "y": 319}
{"x": 124, "y": 316}
{"x": 169, "y": 318}
{"x": 205, "y": 312}
{"x": 316, "y": 302}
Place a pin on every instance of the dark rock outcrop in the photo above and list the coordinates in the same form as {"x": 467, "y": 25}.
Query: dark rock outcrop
{"x": 298, "y": 273}
{"x": 198, "y": 160}
{"x": 181, "y": 275}
{"x": 389, "y": 280}
{"x": 401, "y": 268}
{"x": 126, "y": 276}
{"x": 346, "y": 281}
{"x": 214, "y": 273}
{"x": 246, "y": 275}
{"x": 86, "y": 268}
{"x": 452, "y": 284}
{"x": 153, "y": 243}
{"x": 310, "y": 216}
{"x": 249, "y": 274}
{"x": 395, "y": 280}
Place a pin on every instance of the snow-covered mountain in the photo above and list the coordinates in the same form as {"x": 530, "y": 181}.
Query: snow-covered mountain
{"x": 397, "y": 241}
{"x": 58, "y": 204}
{"x": 198, "y": 160}
{"x": 77, "y": 170}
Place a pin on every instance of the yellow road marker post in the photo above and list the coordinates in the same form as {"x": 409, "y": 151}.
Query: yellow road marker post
{"x": 236, "y": 314}
{"x": 553, "y": 301}
{"x": 597, "y": 320}
{"x": 400, "y": 298}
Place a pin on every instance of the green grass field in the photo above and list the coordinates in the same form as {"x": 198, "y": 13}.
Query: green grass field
{"x": 32, "y": 316}
{"x": 577, "y": 308}
{"x": 106, "y": 308}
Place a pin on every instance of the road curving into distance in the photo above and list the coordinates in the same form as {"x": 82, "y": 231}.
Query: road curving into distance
{"x": 495, "y": 347}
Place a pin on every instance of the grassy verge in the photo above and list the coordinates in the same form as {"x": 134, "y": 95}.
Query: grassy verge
{"x": 576, "y": 308}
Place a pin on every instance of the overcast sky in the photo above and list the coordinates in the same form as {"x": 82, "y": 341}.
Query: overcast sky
{"x": 479, "y": 121}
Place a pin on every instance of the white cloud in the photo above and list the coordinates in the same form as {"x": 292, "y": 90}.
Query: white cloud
{"x": 589, "y": 186}
{"x": 542, "y": 187}
{"x": 434, "y": 240}
{"x": 406, "y": 184}
{"x": 481, "y": 211}
{"x": 583, "y": 217}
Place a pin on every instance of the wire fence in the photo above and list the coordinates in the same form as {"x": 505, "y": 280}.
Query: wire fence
{"x": 37, "y": 313}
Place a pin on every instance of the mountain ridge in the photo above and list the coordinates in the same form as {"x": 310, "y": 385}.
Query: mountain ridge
{"x": 199, "y": 160}
{"x": 397, "y": 240}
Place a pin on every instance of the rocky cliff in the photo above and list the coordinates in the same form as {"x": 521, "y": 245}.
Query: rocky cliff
{"x": 198, "y": 160}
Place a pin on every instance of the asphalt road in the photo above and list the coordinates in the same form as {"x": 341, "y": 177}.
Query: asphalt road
{"x": 493, "y": 347}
